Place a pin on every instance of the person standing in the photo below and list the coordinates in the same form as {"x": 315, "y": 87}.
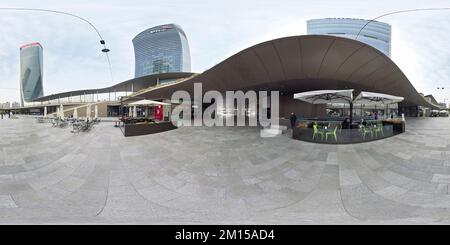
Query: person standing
{"x": 293, "y": 119}
{"x": 346, "y": 123}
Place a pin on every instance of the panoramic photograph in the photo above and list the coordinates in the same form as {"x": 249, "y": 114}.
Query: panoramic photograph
{"x": 224, "y": 113}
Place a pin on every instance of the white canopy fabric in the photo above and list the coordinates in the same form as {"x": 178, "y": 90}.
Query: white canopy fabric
{"x": 45, "y": 111}
{"x": 75, "y": 113}
{"x": 96, "y": 111}
{"x": 370, "y": 98}
{"x": 147, "y": 102}
{"x": 61, "y": 111}
{"x": 326, "y": 96}
{"x": 130, "y": 111}
{"x": 88, "y": 111}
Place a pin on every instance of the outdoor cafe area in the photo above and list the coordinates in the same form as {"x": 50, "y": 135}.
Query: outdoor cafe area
{"x": 368, "y": 117}
{"x": 146, "y": 117}
{"x": 78, "y": 124}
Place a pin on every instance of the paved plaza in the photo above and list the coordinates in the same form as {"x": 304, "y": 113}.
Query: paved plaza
{"x": 221, "y": 175}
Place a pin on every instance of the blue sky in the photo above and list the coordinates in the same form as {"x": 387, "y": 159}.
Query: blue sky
{"x": 215, "y": 30}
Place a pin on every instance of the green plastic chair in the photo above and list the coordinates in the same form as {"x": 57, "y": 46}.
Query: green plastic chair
{"x": 331, "y": 132}
{"x": 367, "y": 130}
{"x": 378, "y": 129}
{"x": 317, "y": 131}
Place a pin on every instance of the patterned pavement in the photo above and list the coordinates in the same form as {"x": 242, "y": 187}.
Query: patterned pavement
{"x": 221, "y": 175}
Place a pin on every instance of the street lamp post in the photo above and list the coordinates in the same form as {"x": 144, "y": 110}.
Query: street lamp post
{"x": 399, "y": 12}
{"x": 102, "y": 41}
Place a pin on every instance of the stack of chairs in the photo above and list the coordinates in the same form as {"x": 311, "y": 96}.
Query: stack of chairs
{"x": 82, "y": 126}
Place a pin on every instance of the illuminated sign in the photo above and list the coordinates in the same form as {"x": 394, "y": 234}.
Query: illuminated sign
{"x": 161, "y": 29}
{"x": 30, "y": 45}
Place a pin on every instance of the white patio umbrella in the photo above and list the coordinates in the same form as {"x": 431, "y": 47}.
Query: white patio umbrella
{"x": 45, "y": 111}
{"x": 134, "y": 111}
{"x": 96, "y": 111}
{"x": 370, "y": 98}
{"x": 75, "y": 113}
{"x": 88, "y": 111}
{"x": 326, "y": 96}
{"x": 130, "y": 111}
{"x": 61, "y": 111}
{"x": 148, "y": 102}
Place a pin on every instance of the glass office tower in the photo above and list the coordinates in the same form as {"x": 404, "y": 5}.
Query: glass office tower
{"x": 377, "y": 34}
{"x": 31, "y": 71}
{"x": 161, "y": 49}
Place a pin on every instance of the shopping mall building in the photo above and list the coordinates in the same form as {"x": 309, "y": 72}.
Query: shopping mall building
{"x": 289, "y": 65}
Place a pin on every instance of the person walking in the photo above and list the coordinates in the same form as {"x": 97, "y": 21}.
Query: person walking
{"x": 293, "y": 119}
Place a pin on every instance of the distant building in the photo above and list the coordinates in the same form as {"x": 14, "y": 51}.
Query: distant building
{"x": 377, "y": 34}
{"x": 31, "y": 71}
{"x": 161, "y": 49}
{"x": 5, "y": 105}
{"x": 15, "y": 105}
{"x": 431, "y": 99}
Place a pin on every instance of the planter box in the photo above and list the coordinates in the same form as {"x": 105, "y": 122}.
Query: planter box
{"x": 147, "y": 128}
{"x": 397, "y": 127}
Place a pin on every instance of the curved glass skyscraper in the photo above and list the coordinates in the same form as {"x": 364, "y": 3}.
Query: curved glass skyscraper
{"x": 377, "y": 34}
{"x": 31, "y": 70}
{"x": 161, "y": 49}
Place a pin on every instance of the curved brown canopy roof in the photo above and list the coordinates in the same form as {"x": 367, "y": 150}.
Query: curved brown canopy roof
{"x": 291, "y": 65}
{"x": 135, "y": 83}
{"x": 304, "y": 63}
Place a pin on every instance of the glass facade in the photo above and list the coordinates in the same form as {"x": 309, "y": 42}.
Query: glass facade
{"x": 161, "y": 49}
{"x": 31, "y": 71}
{"x": 377, "y": 34}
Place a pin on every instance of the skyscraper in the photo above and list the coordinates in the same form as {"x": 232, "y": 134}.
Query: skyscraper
{"x": 377, "y": 34}
{"x": 31, "y": 70}
{"x": 161, "y": 49}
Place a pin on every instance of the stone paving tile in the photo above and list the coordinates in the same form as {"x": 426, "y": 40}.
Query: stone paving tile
{"x": 441, "y": 178}
{"x": 7, "y": 202}
{"x": 221, "y": 175}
